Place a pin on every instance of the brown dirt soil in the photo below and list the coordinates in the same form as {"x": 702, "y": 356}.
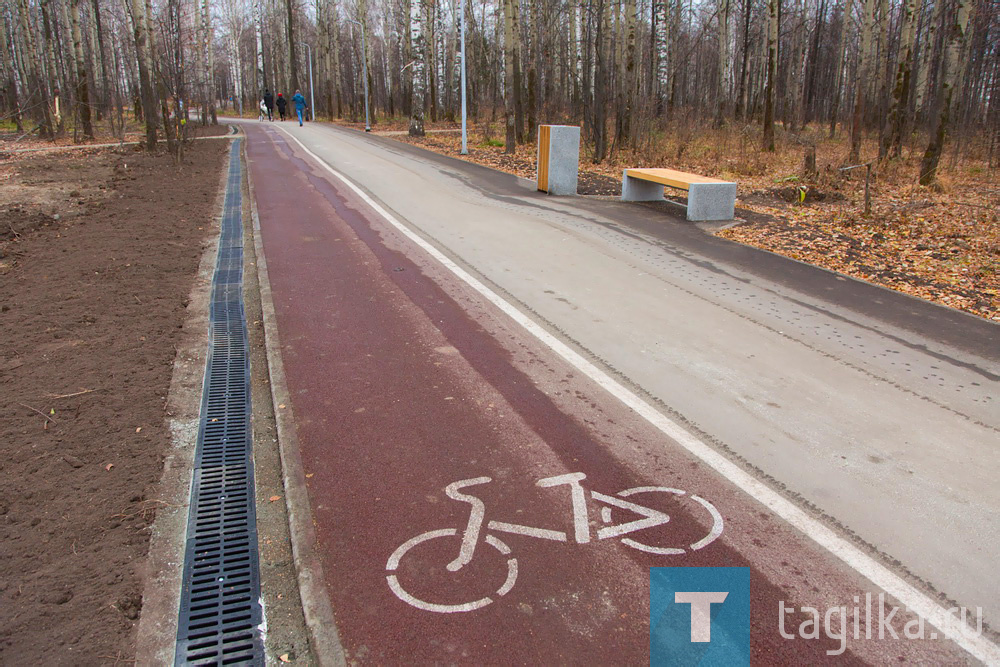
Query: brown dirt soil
{"x": 98, "y": 254}
{"x": 941, "y": 244}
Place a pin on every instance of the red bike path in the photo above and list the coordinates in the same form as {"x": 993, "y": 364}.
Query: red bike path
{"x": 402, "y": 381}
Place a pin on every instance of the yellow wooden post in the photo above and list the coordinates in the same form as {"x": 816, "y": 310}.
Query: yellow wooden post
{"x": 544, "y": 145}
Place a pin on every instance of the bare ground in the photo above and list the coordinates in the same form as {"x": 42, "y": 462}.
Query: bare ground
{"x": 98, "y": 251}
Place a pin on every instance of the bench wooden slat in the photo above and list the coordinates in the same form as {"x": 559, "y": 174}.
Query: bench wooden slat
{"x": 671, "y": 177}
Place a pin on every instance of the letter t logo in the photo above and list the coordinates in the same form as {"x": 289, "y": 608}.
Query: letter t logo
{"x": 701, "y": 606}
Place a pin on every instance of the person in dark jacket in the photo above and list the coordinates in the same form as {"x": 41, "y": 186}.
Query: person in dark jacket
{"x": 300, "y": 105}
{"x": 282, "y": 103}
{"x": 269, "y": 103}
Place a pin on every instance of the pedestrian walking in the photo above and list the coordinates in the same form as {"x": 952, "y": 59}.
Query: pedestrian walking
{"x": 300, "y": 105}
{"x": 269, "y": 103}
{"x": 282, "y": 103}
{"x": 261, "y": 111}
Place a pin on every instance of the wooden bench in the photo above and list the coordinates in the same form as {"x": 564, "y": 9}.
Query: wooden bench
{"x": 708, "y": 198}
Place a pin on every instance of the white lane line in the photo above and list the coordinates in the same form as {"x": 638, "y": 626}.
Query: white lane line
{"x": 951, "y": 626}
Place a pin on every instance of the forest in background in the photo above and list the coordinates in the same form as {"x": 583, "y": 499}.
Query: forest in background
{"x": 907, "y": 73}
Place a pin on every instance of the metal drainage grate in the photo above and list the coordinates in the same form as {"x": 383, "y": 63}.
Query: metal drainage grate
{"x": 220, "y": 612}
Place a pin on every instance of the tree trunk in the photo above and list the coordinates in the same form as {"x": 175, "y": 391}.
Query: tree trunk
{"x": 721, "y": 98}
{"x": 260, "y": 81}
{"x": 845, "y": 21}
{"x": 144, "y": 57}
{"x": 535, "y": 74}
{"x": 952, "y": 75}
{"x": 884, "y": 71}
{"x": 864, "y": 70}
{"x": 419, "y": 77}
{"x": 774, "y": 25}
{"x": 430, "y": 49}
{"x": 662, "y": 39}
{"x": 602, "y": 52}
{"x": 742, "y": 107}
{"x": 8, "y": 65}
{"x": 99, "y": 45}
{"x": 182, "y": 103}
{"x": 335, "y": 47}
{"x": 626, "y": 105}
{"x": 237, "y": 72}
{"x": 893, "y": 143}
{"x": 292, "y": 60}
{"x": 928, "y": 65}
{"x": 518, "y": 85}
{"x": 52, "y": 67}
{"x": 587, "y": 73}
{"x": 576, "y": 68}
{"x": 808, "y": 105}
{"x": 509, "y": 85}
{"x": 64, "y": 59}
{"x": 82, "y": 92}
{"x": 199, "y": 67}
{"x": 208, "y": 61}
{"x": 795, "y": 90}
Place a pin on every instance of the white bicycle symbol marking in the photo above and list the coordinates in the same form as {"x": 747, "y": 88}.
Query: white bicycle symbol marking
{"x": 581, "y": 532}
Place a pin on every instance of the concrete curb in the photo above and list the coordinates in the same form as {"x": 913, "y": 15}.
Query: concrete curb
{"x": 157, "y": 636}
{"x": 323, "y": 637}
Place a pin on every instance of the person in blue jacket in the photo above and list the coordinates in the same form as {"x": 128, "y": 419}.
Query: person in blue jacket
{"x": 300, "y": 105}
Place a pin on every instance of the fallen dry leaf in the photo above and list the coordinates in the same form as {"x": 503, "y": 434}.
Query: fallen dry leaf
{"x": 284, "y": 658}
{"x": 109, "y": 466}
{"x": 273, "y": 498}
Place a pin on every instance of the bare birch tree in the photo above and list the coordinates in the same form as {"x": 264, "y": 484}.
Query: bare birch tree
{"x": 82, "y": 92}
{"x": 774, "y": 25}
{"x": 419, "y": 76}
{"x": 841, "y": 55}
{"x": 953, "y": 67}
{"x": 864, "y": 72}
{"x": 892, "y": 143}
{"x": 723, "y": 74}
{"x": 509, "y": 85}
{"x": 145, "y": 65}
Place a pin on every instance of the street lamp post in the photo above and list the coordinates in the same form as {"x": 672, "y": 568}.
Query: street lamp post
{"x": 312, "y": 98}
{"x": 465, "y": 145}
{"x": 364, "y": 65}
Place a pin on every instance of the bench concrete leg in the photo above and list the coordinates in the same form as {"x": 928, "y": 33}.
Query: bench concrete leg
{"x": 635, "y": 189}
{"x": 711, "y": 201}
{"x": 564, "y": 159}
